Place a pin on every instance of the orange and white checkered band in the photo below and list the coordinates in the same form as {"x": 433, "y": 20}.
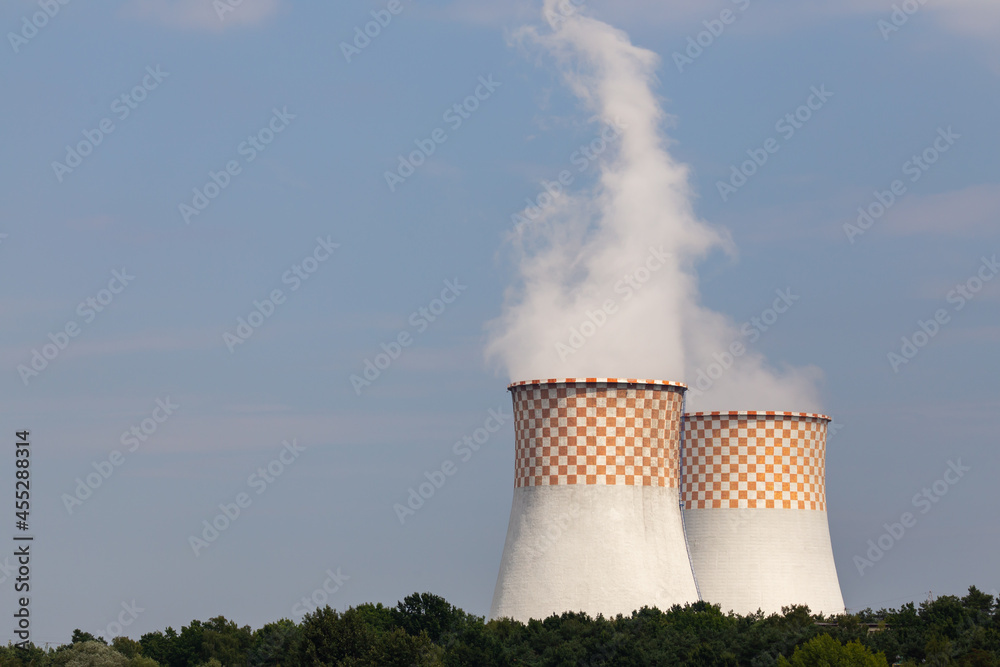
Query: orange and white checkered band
{"x": 754, "y": 460}
{"x": 597, "y": 431}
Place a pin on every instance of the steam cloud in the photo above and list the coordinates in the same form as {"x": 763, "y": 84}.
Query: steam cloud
{"x": 636, "y": 221}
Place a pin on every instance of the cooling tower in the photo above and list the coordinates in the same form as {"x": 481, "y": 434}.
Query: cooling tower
{"x": 595, "y": 525}
{"x": 753, "y": 488}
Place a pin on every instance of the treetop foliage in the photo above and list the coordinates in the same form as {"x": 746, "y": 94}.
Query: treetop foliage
{"x": 424, "y": 629}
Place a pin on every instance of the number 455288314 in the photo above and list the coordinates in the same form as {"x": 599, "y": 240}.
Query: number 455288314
{"x": 23, "y": 487}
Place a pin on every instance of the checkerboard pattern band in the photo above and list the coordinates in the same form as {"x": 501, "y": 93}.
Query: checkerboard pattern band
{"x": 665, "y": 383}
{"x": 597, "y": 431}
{"x": 754, "y": 460}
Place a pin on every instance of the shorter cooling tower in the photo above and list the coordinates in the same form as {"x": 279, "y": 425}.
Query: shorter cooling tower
{"x": 753, "y": 489}
{"x": 595, "y": 525}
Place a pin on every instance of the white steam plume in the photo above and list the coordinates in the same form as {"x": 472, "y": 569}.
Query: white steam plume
{"x": 636, "y": 221}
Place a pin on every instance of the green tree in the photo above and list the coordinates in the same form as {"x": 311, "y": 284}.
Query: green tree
{"x": 30, "y": 656}
{"x": 938, "y": 652}
{"x": 976, "y": 600}
{"x": 89, "y": 654}
{"x": 129, "y": 648}
{"x": 398, "y": 649}
{"x": 825, "y": 651}
{"x": 142, "y": 661}
{"x": 431, "y": 614}
{"x": 161, "y": 647}
{"x": 274, "y": 644}
{"x": 225, "y": 641}
{"x": 425, "y": 630}
{"x": 81, "y": 636}
{"x": 329, "y": 637}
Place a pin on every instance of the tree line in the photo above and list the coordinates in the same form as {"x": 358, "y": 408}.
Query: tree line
{"x": 424, "y": 629}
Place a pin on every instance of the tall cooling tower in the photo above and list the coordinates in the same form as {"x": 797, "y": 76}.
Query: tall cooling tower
{"x": 753, "y": 486}
{"x": 595, "y": 524}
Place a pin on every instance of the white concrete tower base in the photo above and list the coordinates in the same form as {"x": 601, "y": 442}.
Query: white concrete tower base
{"x": 595, "y": 523}
{"x": 750, "y": 559}
{"x": 753, "y": 488}
{"x": 598, "y": 549}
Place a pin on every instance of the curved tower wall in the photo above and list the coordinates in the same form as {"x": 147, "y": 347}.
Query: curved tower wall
{"x": 595, "y": 523}
{"x": 753, "y": 489}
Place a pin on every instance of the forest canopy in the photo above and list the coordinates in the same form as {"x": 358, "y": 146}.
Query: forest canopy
{"x": 424, "y": 629}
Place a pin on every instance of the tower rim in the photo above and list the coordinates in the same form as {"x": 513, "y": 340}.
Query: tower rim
{"x": 593, "y": 381}
{"x": 755, "y": 414}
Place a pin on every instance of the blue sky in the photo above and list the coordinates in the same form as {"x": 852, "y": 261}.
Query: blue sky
{"x": 321, "y": 180}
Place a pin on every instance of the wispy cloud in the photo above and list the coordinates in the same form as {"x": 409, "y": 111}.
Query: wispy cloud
{"x": 968, "y": 17}
{"x": 972, "y": 335}
{"x": 199, "y": 426}
{"x": 107, "y": 348}
{"x": 202, "y": 14}
{"x": 970, "y": 212}
{"x": 975, "y": 17}
{"x": 625, "y": 12}
{"x": 487, "y": 13}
